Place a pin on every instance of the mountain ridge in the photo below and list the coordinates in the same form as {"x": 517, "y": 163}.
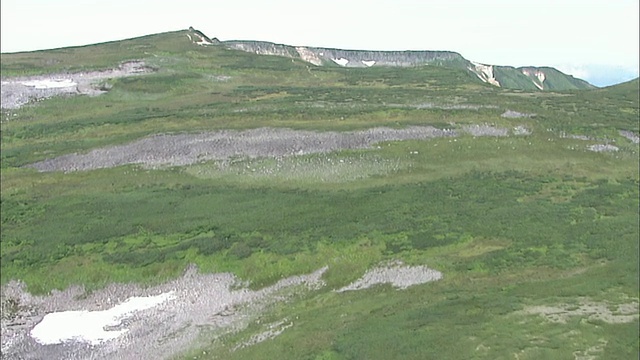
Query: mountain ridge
{"x": 527, "y": 78}
{"x": 521, "y": 78}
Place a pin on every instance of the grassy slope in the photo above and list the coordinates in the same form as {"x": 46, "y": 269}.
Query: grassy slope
{"x": 513, "y": 78}
{"x": 511, "y": 222}
{"x": 558, "y": 80}
{"x": 508, "y": 76}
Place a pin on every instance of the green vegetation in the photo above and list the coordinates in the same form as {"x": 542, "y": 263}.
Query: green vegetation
{"x": 554, "y": 80}
{"x": 511, "y": 222}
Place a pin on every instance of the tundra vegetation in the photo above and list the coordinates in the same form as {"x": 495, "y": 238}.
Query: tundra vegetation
{"x": 512, "y": 222}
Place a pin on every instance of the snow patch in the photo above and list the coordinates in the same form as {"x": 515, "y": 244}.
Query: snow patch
{"x": 341, "y": 61}
{"x": 89, "y": 326}
{"x": 50, "y": 83}
{"x": 368, "y": 63}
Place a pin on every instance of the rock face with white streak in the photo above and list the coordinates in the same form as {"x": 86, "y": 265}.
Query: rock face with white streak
{"x": 347, "y": 58}
{"x": 309, "y": 56}
{"x": 201, "y": 39}
{"x": 485, "y": 73}
{"x": 267, "y": 49}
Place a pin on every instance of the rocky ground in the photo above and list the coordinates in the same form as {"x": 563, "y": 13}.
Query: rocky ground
{"x": 198, "y": 302}
{"x": 586, "y": 308}
{"x": 212, "y": 303}
{"x": 18, "y": 91}
{"x": 187, "y": 149}
{"x": 631, "y": 136}
{"x": 395, "y": 273}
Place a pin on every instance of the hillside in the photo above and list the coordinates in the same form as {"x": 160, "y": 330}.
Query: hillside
{"x": 170, "y": 197}
{"x": 524, "y": 78}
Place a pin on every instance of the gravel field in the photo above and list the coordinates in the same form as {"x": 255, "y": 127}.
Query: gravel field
{"x": 18, "y": 91}
{"x": 213, "y": 303}
{"x": 199, "y": 302}
{"x": 397, "y": 274}
{"x": 187, "y": 149}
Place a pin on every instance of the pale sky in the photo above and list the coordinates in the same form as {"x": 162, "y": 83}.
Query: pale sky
{"x": 580, "y": 37}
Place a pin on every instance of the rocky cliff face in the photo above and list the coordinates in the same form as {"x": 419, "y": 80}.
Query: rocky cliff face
{"x": 356, "y": 58}
{"x": 263, "y": 48}
{"x": 484, "y": 73}
{"x": 348, "y": 58}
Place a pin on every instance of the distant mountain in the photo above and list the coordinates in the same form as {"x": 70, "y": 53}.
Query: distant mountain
{"x": 523, "y": 78}
{"x": 629, "y": 91}
{"x": 607, "y": 75}
{"x": 541, "y": 78}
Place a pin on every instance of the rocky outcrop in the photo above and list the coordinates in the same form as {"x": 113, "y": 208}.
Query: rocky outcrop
{"x": 263, "y": 48}
{"x": 485, "y": 73}
{"x": 348, "y": 58}
{"x": 19, "y": 91}
{"x": 358, "y": 58}
{"x": 197, "y": 37}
